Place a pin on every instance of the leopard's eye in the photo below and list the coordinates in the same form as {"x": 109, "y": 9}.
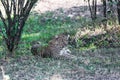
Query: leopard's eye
{"x": 68, "y": 51}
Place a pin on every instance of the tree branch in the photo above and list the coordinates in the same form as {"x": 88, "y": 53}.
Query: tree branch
{"x": 3, "y": 20}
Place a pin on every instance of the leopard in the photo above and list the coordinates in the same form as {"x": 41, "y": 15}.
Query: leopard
{"x": 57, "y": 47}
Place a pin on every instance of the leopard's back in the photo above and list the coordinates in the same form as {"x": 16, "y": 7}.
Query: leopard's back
{"x": 57, "y": 44}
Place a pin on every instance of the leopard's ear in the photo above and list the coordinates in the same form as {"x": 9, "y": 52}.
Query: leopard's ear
{"x": 56, "y": 36}
{"x": 68, "y": 37}
{"x": 35, "y": 42}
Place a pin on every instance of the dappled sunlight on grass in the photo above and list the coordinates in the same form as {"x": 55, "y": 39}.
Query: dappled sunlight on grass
{"x": 30, "y": 35}
{"x": 56, "y": 77}
{"x": 37, "y": 30}
{"x": 0, "y": 37}
{"x": 1, "y": 48}
{"x": 89, "y": 33}
{"x": 90, "y": 47}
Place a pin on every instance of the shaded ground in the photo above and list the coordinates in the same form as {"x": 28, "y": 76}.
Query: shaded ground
{"x": 69, "y": 8}
{"x": 102, "y": 64}
{"x": 51, "y": 5}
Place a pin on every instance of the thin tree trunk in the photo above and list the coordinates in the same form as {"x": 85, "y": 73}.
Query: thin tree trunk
{"x": 105, "y": 14}
{"x": 118, "y": 11}
{"x": 104, "y": 8}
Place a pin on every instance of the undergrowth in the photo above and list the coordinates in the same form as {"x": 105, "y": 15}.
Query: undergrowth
{"x": 43, "y": 27}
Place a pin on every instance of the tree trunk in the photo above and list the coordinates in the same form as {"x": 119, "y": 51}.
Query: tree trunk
{"x": 118, "y": 11}
{"x": 105, "y": 14}
{"x": 104, "y": 8}
{"x": 13, "y": 26}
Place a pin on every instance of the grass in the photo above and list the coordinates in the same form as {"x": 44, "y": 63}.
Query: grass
{"x": 38, "y": 29}
{"x": 43, "y": 27}
{"x": 88, "y": 65}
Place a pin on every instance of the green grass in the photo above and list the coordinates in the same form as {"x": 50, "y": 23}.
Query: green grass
{"x": 43, "y": 27}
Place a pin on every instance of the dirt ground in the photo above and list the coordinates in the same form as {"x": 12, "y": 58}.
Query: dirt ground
{"x": 51, "y": 5}
{"x": 70, "y": 8}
